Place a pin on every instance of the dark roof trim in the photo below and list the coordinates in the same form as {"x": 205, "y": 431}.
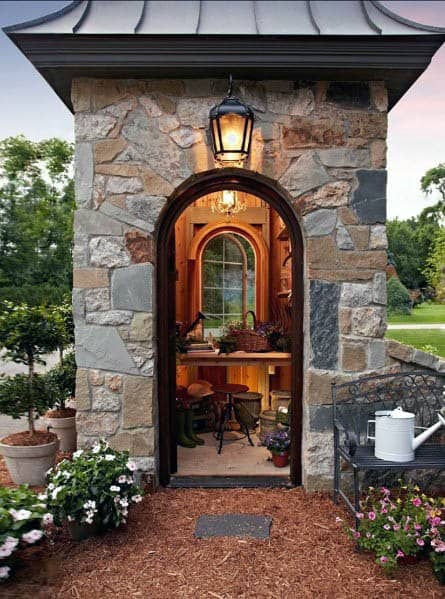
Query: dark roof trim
{"x": 45, "y": 19}
{"x": 404, "y": 21}
{"x": 369, "y": 20}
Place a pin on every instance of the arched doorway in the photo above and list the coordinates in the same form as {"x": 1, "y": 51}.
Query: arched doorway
{"x": 192, "y": 189}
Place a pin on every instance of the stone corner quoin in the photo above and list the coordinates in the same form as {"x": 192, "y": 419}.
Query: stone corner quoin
{"x": 136, "y": 142}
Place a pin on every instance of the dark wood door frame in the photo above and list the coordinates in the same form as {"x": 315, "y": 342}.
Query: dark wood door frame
{"x": 183, "y": 196}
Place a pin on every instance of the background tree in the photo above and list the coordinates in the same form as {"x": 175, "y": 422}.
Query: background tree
{"x": 434, "y": 179}
{"x": 435, "y": 266}
{"x": 36, "y": 209}
{"x": 399, "y": 300}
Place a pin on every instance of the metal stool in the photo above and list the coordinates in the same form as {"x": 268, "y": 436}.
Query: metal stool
{"x": 228, "y": 389}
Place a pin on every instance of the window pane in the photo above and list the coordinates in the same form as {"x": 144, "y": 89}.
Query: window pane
{"x": 212, "y": 274}
{"x": 233, "y": 276}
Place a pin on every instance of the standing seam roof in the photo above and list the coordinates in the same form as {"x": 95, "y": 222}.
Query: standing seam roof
{"x": 238, "y": 17}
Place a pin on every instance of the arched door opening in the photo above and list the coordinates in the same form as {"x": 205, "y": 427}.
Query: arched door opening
{"x": 215, "y": 271}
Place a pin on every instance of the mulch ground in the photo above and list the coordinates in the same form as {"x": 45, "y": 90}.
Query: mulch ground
{"x": 157, "y": 556}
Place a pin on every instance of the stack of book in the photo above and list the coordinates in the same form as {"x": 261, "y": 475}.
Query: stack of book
{"x": 199, "y": 347}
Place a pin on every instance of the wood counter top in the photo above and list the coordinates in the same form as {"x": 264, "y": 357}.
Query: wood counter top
{"x": 238, "y": 358}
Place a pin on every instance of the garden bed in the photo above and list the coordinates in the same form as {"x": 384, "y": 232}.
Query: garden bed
{"x": 157, "y": 555}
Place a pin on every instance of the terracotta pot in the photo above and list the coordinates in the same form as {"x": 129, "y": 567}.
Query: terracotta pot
{"x": 29, "y": 464}
{"x": 280, "y": 460}
{"x": 65, "y": 429}
{"x": 79, "y": 531}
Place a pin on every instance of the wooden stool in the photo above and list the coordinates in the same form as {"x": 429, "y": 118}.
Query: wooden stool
{"x": 228, "y": 389}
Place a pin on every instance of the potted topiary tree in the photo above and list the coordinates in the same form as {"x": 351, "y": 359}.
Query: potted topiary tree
{"x": 26, "y": 334}
{"x": 61, "y": 381}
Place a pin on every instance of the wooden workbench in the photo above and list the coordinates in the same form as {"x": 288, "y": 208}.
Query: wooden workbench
{"x": 240, "y": 361}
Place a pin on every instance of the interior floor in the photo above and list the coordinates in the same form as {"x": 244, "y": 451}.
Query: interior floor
{"x": 237, "y": 458}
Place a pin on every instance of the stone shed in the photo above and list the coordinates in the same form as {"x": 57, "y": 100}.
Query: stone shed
{"x": 141, "y": 78}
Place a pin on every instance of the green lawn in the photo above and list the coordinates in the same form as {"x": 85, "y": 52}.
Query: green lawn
{"x": 419, "y": 338}
{"x": 423, "y": 314}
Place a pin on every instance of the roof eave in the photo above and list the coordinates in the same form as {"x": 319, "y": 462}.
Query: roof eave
{"x": 398, "y": 60}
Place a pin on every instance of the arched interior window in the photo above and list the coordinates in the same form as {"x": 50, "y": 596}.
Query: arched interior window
{"x": 228, "y": 281}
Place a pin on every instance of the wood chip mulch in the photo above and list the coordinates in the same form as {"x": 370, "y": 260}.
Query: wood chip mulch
{"x": 156, "y": 555}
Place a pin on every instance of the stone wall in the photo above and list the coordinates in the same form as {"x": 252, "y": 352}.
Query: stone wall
{"x": 136, "y": 141}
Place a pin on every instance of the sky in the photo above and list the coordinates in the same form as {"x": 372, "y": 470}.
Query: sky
{"x": 416, "y": 140}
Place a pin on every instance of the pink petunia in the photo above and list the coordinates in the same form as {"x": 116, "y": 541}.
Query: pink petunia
{"x": 436, "y": 521}
{"x": 371, "y": 515}
{"x": 356, "y": 534}
{"x": 400, "y": 554}
{"x": 417, "y": 526}
{"x": 383, "y": 510}
{"x": 386, "y": 527}
{"x": 420, "y": 542}
{"x": 383, "y": 559}
{"x": 359, "y": 515}
{"x": 417, "y": 501}
{"x": 396, "y": 526}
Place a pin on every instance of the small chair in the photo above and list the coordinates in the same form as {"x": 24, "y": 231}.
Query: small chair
{"x": 228, "y": 389}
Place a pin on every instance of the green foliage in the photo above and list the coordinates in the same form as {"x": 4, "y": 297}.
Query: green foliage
{"x": 36, "y": 207}
{"x": 22, "y": 396}
{"x": 425, "y": 313}
{"x": 60, "y": 382}
{"x": 22, "y": 517}
{"x": 97, "y": 486}
{"x": 433, "y": 179}
{"x": 28, "y": 332}
{"x": 435, "y": 266}
{"x": 399, "y": 300}
{"x": 397, "y": 524}
{"x": 409, "y": 245}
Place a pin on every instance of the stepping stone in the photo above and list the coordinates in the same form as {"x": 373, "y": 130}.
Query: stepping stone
{"x": 233, "y": 525}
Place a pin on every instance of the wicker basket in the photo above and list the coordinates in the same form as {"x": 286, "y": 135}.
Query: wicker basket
{"x": 249, "y": 340}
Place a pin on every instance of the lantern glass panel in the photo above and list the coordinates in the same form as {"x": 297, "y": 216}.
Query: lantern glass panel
{"x": 232, "y": 133}
{"x": 215, "y": 135}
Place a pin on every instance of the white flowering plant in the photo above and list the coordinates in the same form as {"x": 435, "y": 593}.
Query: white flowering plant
{"x": 96, "y": 487}
{"x": 23, "y": 516}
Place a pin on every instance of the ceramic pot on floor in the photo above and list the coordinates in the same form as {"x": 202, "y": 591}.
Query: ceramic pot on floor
{"x": 28, "y": 464}
{"x": 280, "y": 460}
{"x": 65, "y": 429}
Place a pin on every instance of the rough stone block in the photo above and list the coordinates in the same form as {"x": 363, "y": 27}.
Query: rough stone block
{"x": 379, "y": 95}
{"x": 83, "y": 174}
{"x": 355, "y": 295}
{"x": 107, "y": 149}
{"x": 342, "y": 238}
{"x": 109, "y": 317}
{"x": 116, "y": 210}
{"x": 83, "y": 399}
{"x": 376, "y": 354}
{"x": 367, "y": 125}
{"x": 424, "y": 359}
{"x": 154, "y": 184}
{"x": 97, "y": 423}
{"x": 344, "y": 315}
{"x": 113, "y": 381}
{"x": 81, "y": 94}
{"x": 314, "y": 132}
{"x": 338, "y": 157}
{"x": 140, "y": 246}
{"x": 92, "y": 126}
{"x": 318, "y": 455}
{"x": 360, "y": 236}
{"x": 321, "y": 252}
{"x": 399, "y": 351}
{"x": 95, "y": 223}
{"x": 97, "y": 300}
{"x": 347, "y": 216}
{"x": 131, "y": 288}
{"x": 320, "y": 418}
{"x": 146, "y": 207}
{"x": 102, "y": 348}
{"x": 324, "y": 299}
{"x": 368, "y": 322}
{"x": 90, "y": 277}
{"x": 318, "y": 384}
{"x": 138, "y": 443}
{"x": 138, "y": 402}
{"x": 108, "y": 252}
{"x": 105, "y": 400}
{"x": 304, "y": 174}
{"x": 96, "y": 377}
{"x": 118, "y": 170}
{"x": 299, "y": 103}
{"x": 186, "y": 137}
{"x": 118, "y": 185}
{"x": 379, "y": 288}
{"x": 330, "y": 195}
{"x": 363, "y": 259}
{"x": 369, "y": 198}
{"x": 320, "y": 222}
{"x": 78, "y": 304}
{"x": 349, "y": 94}
{"x": 378, "y": 153}
{"x": 377, "y": 238}
{"x": 353, "y": 356}
{"x": 141, "y": 327}
{"x": 339, "y": 275}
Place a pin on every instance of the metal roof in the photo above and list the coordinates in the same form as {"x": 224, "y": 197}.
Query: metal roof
{"x": 252, "y": 39}
{"x": 233, "y": 17}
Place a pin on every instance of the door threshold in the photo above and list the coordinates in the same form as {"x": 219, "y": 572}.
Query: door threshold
{"x": 229, "y": 482}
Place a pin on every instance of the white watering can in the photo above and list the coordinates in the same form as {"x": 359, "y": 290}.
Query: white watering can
{"x": 394, "y": 435}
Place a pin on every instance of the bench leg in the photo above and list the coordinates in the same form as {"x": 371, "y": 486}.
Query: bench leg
{"x": 336, "y": 476}
{"x": 356, "y": 497}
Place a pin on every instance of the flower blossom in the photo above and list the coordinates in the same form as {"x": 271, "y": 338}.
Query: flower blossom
{"x": 136, "y": 498}
{"x": 56, "y": 492}
{"x": 32, "y": 536}
{"x": 417, "y": 501}
{"x": 383, "y": 559}
{"x": 371, "y": 515}
{"x": 20, "y": 514}
{"x": 400, "y": 553}
{"x": 420, "y": 542}
{"x": 47, "y": 519}
{"x": 122, "y": 479}
{"x": 115, "y": 489}
{"x": 359, "y": 515}
{"x": 387, "y": 527}
{"x": 77, "y": 454}
{"x": 109, "y": 457}
{"x": 131, "y": 466}
{"x": 4, "y": 571}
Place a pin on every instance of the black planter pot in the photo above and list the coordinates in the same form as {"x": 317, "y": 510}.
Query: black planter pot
{"x": 80, "y": 531}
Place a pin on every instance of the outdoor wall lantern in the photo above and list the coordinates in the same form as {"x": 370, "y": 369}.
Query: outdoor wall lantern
{"x": 231, "y": 124}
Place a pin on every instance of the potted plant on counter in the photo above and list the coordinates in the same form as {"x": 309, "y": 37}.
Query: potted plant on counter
{"x": 27, "y": 333}
{"x": 92, "y": 492}
{"x": 278, "y": 444}
{"x": 61, "y": 386}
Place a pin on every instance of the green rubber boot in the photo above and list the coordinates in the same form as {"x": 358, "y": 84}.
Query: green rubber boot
{"x": 181, "y": 438}
{"x": 190, "y": 433}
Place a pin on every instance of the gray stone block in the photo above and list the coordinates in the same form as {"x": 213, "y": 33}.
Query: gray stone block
{"x": 349, "y": 94}
{"x": 146, "y": 207}
{"x": 379, "y": 288}
{"x": 343, "y": 239}
{"x": 424, "y": 359}
{"x": 354, "y": 295}
{"x": 233, "y": 525}
{"x": 338, "y": 157}
{"x": 320, "y": 222}
{"x": 83, "y": 174}
{"x": 95, "y": 223}
{"x": 324, "y": 299}
{"x": 102, "y": 348}
{"x": 369, "y": 199}
{"x": 78, "y": 305}
{"x": 304, "y": 174}
{"x": 320, "y": 418}
{"x": 125, "y": 217}
{"x": 376, "y": 354}
{"x": 131, "y": 288}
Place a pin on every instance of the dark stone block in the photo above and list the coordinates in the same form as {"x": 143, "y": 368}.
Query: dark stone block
{"x": 320, "y": 418}
{"x": 349, "y": 94}
{"x": 369, "y": 199}
{"x": 324, "y": 300}
{"x": 233, "y": 525}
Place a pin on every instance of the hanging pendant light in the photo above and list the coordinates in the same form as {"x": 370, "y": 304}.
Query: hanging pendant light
{"x": 228, "y": 203}
{"x": 231, "y": 124}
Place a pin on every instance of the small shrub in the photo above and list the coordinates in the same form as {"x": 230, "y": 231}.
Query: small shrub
{"x": 22, "y": 518}
{"x": 96, "y": 486}
{"x": 399, "y": 300}
{"x": 60, "y": 382}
